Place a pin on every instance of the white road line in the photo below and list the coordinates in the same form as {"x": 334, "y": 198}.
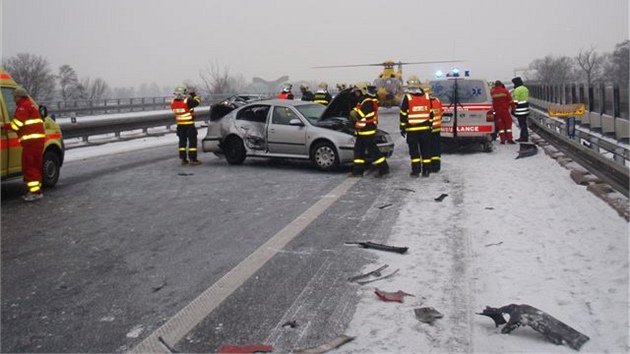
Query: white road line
{"x": 190, "y": 316}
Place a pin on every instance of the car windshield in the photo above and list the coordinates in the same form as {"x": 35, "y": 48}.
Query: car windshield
{"x": 312, "y": 112}
{"x": 468, "y": 91}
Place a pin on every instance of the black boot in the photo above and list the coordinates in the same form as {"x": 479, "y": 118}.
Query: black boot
{"x": 426, "y": 172}
{"x": 415, "y": 169}
{"x": 384, "y": 169}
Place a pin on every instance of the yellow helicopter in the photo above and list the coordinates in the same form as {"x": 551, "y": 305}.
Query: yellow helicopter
{"x": 389, "y": 83}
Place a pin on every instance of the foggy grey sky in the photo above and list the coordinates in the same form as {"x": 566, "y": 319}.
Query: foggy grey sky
{"x": 130, "y": 42}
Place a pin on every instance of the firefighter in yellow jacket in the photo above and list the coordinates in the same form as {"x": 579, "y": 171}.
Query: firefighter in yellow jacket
{"x": 416, "y": 119}
{"x": 183, "y": 105}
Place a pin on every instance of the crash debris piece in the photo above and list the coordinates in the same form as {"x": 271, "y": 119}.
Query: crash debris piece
{"x": 363, "y": 282}
{"x": 389, "y": 296}
{"x": 427, "y": 314}
{"x": 385, "y": 206}
{"x": 381, "y": 247}
{"x": 525, "y": 315}
{"x": 245, "y": 349}
{"x": 291, "y": 324}
{"x": 441, "y": 197}
{"x": 335, "y": 343}
{"x": 375, "y": 272}
{"x": 527, "y": 149}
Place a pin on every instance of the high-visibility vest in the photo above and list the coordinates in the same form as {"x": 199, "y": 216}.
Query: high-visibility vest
{"x": 438, "y": 110}
{"x": 367, "y": 116}
{"x": 28, "y": 123}
{"x": 417, "y": 117}
{"x": 521, "y": 101}
{"x": 285, "y": 95}
{"x": 183, "y": 114}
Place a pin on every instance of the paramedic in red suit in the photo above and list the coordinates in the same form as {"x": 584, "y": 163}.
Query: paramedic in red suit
{"x": 502, "y": 102}
{"x": 29, "y": 125}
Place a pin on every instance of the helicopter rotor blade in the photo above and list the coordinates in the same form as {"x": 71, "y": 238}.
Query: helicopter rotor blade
{"x": 345, "y": 66}
{"x": 430, "y": 62}
{"x": 399, "y": 63}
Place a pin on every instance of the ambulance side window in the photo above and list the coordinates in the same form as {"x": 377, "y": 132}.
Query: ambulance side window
{"x": 7, "y": 94}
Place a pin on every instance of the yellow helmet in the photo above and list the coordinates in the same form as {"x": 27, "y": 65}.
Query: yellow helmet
{"x": 363, "y": 86}
{"x": 341, "y": 86}
{"x": 323, "y": 85}
{"x": 413, "y": 81}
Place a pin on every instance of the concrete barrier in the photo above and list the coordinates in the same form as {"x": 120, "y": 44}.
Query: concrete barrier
{"x": 622, "y": 129}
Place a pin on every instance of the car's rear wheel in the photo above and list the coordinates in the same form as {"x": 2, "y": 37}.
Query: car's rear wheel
{"x": 234, "y": 151}
{"x": 51, "y": 168}
{"x": 324, "y": 156}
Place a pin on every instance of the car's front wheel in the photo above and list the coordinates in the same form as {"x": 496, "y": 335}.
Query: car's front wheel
{"x": 324, "y": 156}
{"x": 50, "y": 169}
{"x": 234, "y": 151}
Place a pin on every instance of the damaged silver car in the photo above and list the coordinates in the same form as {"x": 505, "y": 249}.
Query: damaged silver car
{"x": 288, "y": 129}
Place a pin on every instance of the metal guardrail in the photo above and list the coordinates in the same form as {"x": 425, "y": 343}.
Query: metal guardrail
{"x": 614, "y": 146}
{"x": 84, "y": 127}
{"x": 119, "y": 105}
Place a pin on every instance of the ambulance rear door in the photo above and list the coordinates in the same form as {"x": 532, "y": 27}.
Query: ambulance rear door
{"x": 467, "y": 105}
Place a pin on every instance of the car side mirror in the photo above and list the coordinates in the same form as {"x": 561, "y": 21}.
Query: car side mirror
{"x": 296, "y": 122}
{"x": 43, "y": 111}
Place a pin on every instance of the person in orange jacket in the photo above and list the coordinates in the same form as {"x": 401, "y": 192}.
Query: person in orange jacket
{"x": 416, "y": 122}
{"x": 286, "y": 93}
{"x": 182, "y": 106}
{"x": 29, "y": 125}
{"x": 502, "y": 102}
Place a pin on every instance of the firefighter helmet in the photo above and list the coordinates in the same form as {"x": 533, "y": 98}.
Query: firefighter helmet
{"x": 341, "y": 86}
{"x": 362, "y": 86}
{"x": 323, "y": 85}
{"x": 180, "y": 91}
{"x": 287, "y": 86}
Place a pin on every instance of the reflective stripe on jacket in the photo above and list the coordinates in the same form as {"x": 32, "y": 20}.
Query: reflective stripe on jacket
{"x": 322, "y": 97}
{"x": 521, "y": 101}
{"x": 415, "y": 112}
{"x": 438, "y": 110}
{"x": 367, "y": 115}
{"x": 28, "y": 123}
{"x": 183, "y": 113}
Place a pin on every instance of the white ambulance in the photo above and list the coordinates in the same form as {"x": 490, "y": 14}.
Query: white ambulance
{"x": 468, "y": 114}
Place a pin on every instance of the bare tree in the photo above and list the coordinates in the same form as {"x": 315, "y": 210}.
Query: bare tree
{"x": 33, "y": 73}
{"x": 620, "y": 59}
{"x": 94, "y": 90}
{"x": 591, "y": 64}
{"x": 216, "y": 81}
{"x": 68, "y": 83}
{"x": 553, "y": 70}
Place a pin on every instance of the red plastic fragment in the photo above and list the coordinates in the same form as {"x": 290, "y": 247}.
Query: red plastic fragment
{"x": 245, "y": 349}
{"x": 387, "y": 296}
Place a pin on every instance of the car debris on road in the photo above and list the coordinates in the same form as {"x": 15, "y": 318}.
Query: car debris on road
{"x": 525, "y": 315}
